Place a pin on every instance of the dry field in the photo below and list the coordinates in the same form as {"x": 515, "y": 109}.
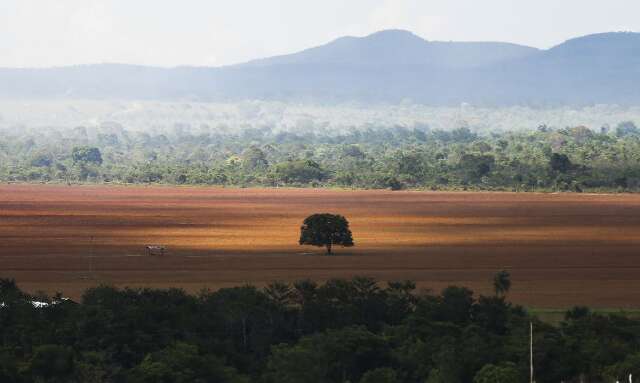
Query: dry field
{"x": 562, "y": 249}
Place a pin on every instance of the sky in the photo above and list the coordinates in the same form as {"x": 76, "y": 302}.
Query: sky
{"x": 42, "y": 33}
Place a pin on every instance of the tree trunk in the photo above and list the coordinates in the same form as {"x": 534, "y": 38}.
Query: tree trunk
{"x": 329, "y": 248}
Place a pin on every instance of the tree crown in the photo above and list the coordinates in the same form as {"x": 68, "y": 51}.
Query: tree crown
{"x": 325, "y": 230}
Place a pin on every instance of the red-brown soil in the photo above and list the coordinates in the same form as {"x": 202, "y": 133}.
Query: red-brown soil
{"x": 562, "y": 249}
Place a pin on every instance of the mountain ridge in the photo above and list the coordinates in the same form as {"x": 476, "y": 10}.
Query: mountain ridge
{"x": 385, "y": 45}
{"x": 386, "y": 66}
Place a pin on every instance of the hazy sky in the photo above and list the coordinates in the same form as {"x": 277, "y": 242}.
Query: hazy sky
{"x": 218, "y": 32}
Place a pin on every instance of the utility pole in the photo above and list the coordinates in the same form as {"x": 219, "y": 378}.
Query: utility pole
{"x": 531, "y": 352}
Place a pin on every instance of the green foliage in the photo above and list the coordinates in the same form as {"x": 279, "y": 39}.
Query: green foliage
{"x": 9, "y": 291}
{"x": 393, "y": 183}
{"x": 41, "y": 160}
{"x": 86, "y": 155}
{"x": 626, "y": 128}
{"x": 505, "y": 373}
{"x": 182, "y": 363}
{"x": 353, "y": 151}
{"x": 436, "y": 376}
{"x": 253, "y": 159}
{"x": 52, "y": 363}
{"x": 326, "y": 230}
{"x": 560, "y": 163}
{"x": 502, "y": 282}
{"x": 569, "y": 159}
{"x": 577, "y": 313}
{"x": 474, "y": 166}
{"x": 381, "y": 375}
{"x": 620, "y": 372}
{"x": 298, "y": 363}
{"x": 9, "y": 366}
{"x": 334, "y": 356}
{"x": 340, "y": 331}
{"x": 299, "y": 171}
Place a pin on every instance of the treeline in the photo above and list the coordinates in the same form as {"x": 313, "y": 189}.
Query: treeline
{"x": 341, "y": 331}
{"x": 571, "y": 159}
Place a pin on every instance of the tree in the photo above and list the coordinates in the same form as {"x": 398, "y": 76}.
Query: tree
{"x": 408, "y": 163}
{"x": 577, "y": 313}
{"x": 393, "y": 183}
{"x": 86, "y": 154}
{"x": 52, "y": 363}
{"x": 326, "y": 230}
{"x": 456, "y": 305}
{"x": 560, "y": 163}
{"x": 339, "y": 355}
{"x": 9, "y": 291}
{"x": 8, "y": 366}
{"x": 380, "y": 375}
{"x": 475, "y": 166}
{"x": 504, "y": 373}
{"x": 353, "y": 151}
{"x": 626, "y": 128}
{"x": 182, "y": 363}
{"x": 300, "y": 362}
{"x": 502, "y": 283}
{"x": 492, "y": 314}
{"x": 42, "y": 160}
{"x": 253, "y": 158}
{"x": 463, "y": 134}
{"x": 620, "y": 371}
{"x": 299, "y": 171}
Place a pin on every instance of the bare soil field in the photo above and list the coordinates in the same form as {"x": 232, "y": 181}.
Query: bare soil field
{"x": 562, "y": 249}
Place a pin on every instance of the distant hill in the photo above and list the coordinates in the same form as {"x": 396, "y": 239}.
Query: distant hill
{"x": 397, "y": 48}
{"x": 387, "y": 66}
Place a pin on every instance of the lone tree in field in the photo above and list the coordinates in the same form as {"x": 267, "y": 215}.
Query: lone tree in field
{"x": 502, "y": 283}
{"x": 325, "y": 230}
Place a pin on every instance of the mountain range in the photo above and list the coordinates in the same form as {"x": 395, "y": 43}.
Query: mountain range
{"x": 387, "y": 66}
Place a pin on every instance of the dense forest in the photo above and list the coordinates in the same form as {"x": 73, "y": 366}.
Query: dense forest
{"x": 340, "y": 331}
{"x": 417, "y": 157}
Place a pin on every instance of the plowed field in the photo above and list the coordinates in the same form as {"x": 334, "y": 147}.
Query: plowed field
{"x": 562, "y": 249}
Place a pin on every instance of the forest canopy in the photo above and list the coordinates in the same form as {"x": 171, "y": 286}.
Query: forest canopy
{"x": 418, "y": 157}
{"x": 354, "y": 330}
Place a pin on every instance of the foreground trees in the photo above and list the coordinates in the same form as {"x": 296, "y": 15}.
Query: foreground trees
{"x": 341, "y": 331}
{"x": 183, "y": 363}
{"x": 326, "y": 230}
{"x": 506, "y": 373}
